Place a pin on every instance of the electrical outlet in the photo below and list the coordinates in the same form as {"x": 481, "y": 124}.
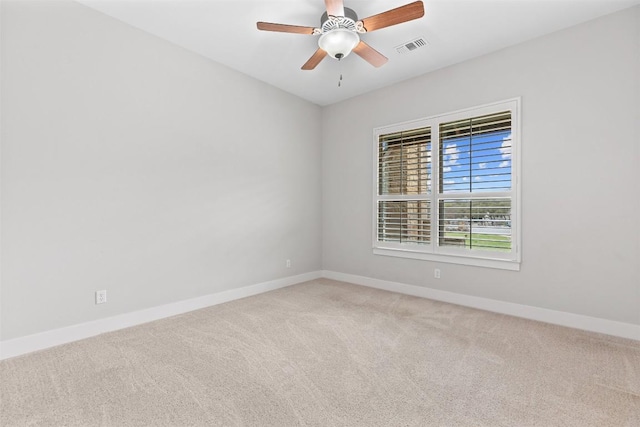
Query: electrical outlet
{"x": 288, "y": 263}
{"x": 101, "y": 297}
{"x": 436, "y": 273}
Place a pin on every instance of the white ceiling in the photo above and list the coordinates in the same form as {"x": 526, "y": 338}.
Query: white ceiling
{"x": 456, "y": 30}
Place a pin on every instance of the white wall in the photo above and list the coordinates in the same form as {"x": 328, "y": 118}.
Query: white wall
{"x": 132, "y": 165}
{"x": 581, "y": 170}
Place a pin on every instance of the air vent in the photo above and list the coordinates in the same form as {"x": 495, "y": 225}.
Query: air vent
{"x": 411, "y": 46}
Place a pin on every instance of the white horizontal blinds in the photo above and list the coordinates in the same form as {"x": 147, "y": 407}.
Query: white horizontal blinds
{"x": 475, "y": 154}
{"x": 404, "y": 182}
{"x": 476, "y": 224}
{"x": 404, "y": 162}
{"x": 404, "y": 221}
{"x": 474, "y": 204}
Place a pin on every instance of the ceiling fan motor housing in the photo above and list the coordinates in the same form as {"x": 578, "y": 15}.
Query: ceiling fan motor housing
{"x": 339, "y": 33}
{"x": 347, "y": 21}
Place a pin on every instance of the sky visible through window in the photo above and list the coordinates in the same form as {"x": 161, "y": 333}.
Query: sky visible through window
{"x": 477, "y": 163}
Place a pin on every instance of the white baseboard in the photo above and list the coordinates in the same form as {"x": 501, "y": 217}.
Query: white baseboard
{"x": 27, "y": 344}
{"x": 30, "y": 343}
{"x": 571, "y": 320}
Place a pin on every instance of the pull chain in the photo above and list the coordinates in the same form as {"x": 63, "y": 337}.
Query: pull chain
{"x": 340, "y": 79}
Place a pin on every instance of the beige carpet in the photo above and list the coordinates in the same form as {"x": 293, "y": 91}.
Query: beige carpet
{"x": 325, "y": 353}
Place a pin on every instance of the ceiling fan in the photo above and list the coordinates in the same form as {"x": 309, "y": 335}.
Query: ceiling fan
{"x": 340, "y": 28}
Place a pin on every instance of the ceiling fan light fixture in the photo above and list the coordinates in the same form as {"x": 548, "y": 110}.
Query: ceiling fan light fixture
{"x": 339, "y": 43}
{"x": 340, "y": 28}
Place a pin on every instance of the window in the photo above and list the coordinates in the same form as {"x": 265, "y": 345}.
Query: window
{"x": 446, "y": 188}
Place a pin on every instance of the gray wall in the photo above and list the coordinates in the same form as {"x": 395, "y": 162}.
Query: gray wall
{"x": 581, "y": 170}
{"x": 132, "y": 165}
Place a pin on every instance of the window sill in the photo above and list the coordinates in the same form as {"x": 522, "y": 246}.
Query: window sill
{"x": 451, "y": 259}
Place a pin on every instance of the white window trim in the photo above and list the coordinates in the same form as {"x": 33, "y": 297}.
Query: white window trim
{"x": 433, "y": 252}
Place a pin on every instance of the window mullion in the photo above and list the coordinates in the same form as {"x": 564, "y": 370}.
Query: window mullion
{"x": 436, "y": 185}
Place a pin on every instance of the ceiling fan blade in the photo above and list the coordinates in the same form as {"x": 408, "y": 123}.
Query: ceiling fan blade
{"x": 284, "y": 28}
{"x": 401, "y": 14}
{"x": 370, "y": 55}
{"x": 314, "y": 60}
{"x": 334, "y": 7}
